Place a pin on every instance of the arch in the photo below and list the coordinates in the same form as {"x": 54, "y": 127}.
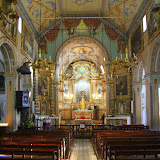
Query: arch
{"x": 138, "y": 71}
{"x": 155, "y": 58}
{"x": 102, "y": 51}
{"x": 7, "y": 49}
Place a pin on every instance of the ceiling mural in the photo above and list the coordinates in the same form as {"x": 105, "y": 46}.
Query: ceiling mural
{"x": 41, "y": 12}
{"x": 117, "y": 13}
{"x": 122, "y": 11}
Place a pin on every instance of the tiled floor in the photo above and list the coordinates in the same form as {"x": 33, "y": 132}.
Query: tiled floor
{"x": 82, "y": 150}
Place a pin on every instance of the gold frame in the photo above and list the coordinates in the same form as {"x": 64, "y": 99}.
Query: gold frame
{"x": 142, "y": 46}
{"x": 3, "y": 29}
{"x": 124, "y": 73}
{"x": 22, "y": 39}
{"x": 155, "y": 33}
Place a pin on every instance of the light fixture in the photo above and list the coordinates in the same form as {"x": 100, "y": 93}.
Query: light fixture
{"x": 7, "y": 11}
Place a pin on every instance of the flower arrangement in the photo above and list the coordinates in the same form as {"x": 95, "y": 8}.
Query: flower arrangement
{"x": 27, "y": 124}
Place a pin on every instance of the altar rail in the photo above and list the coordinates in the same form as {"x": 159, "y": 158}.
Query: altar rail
{"x": 88, "y": 130}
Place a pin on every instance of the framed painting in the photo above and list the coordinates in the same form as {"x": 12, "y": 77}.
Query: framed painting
{"x": 27, "y": 42}
{"x": 153, "y": 22}
{"x": 43, "y": 85}
{"x": 121, "y": 86}
{"x": 137, "y": 40}
{"x": 10, "y": 30}
{"x": 43, "y": 107}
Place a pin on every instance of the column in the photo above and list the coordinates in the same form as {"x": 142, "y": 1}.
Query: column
{"x": 137, "y": 89}
{"x": 57, "y": 72}
{"x": 10, "y": 102}
{"x": 156, "y": 116}
{"x": 148, "y": 101}
{"x": 56, "y": 88}
{"x": 107, "y": 90}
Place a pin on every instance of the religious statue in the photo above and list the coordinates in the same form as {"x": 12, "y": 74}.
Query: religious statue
{"x": 82, "y": 103}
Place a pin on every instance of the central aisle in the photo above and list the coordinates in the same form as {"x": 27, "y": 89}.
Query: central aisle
{"x": 82, "y": 150}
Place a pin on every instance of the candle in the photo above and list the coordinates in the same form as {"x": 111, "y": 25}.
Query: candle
{"x": 39, "y": 53}
{"x": 131, "y": 106}
{"x": 126, "y": 53}
{"x": 121, "y": 56}
{"x": 134, "y": 55}
{"x": 116, "y": 58}
{"x": 49, "y": 57}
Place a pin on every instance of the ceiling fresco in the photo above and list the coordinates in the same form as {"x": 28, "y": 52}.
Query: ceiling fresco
{"x": 42, "y": 13}
{"x": 122, "y": 13}
{"x": 118, "y": 13}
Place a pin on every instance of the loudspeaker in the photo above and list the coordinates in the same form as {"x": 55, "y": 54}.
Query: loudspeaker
{"x": 22, "y": 99}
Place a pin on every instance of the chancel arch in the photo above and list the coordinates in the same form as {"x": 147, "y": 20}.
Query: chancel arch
{"x": 82, "y": 76}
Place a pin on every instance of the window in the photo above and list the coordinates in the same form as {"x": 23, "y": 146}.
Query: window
{"x": 159, "y": 98}
{"x": 144, "y": 23}
{"x": 20, "y": 25}
{"x": 102, "y": 69}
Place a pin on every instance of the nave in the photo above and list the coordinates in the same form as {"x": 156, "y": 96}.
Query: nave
{"x": 82, "y": 150}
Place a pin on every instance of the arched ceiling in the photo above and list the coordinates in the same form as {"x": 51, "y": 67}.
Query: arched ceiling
{"x": 120, "y": 14}
{"x": 81, "y": 49}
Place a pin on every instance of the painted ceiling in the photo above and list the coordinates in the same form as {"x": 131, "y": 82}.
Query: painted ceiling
{"x": 43, "y": 14}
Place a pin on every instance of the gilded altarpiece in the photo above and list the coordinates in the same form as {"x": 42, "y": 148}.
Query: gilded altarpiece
{"x": 81, "y": 89}
{"x": 43, "y": 91}
{"x": 120, "y": 90}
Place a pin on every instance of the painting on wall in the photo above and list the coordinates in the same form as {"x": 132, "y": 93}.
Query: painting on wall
{"x": 153, "y": 23}
{"x": 82, "y": 91}
{"x": 10, "y": 30}
{"x": 42, "y": 85}
{"x": 44, "y": 107}
{"x": 121, "y": 86}
{"x": 137, "y": 40}
{"x": 27, "y": 42}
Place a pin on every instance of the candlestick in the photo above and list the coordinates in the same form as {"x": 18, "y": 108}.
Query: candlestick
{"x": 126, "y": 53}
{"x": 39, "y": 53}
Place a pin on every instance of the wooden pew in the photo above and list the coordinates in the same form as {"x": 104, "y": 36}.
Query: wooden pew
{"x": 36, "y": 139}
{"x": 106, "y": 139}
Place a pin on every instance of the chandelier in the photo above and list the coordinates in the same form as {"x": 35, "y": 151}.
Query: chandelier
{"x": 7, "y": 11}
{"x": 97, "y": 96}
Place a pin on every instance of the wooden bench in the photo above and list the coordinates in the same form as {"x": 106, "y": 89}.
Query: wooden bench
{"x": 104, "y": 141}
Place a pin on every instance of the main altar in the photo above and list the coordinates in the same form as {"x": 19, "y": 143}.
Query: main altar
{"x": 82, "y": 116}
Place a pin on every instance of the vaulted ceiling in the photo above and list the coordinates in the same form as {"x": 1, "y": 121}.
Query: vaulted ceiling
{"x": 43, "y": 15}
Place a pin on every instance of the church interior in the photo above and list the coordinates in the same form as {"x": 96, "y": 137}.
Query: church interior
{"x": 80, "y": 65}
